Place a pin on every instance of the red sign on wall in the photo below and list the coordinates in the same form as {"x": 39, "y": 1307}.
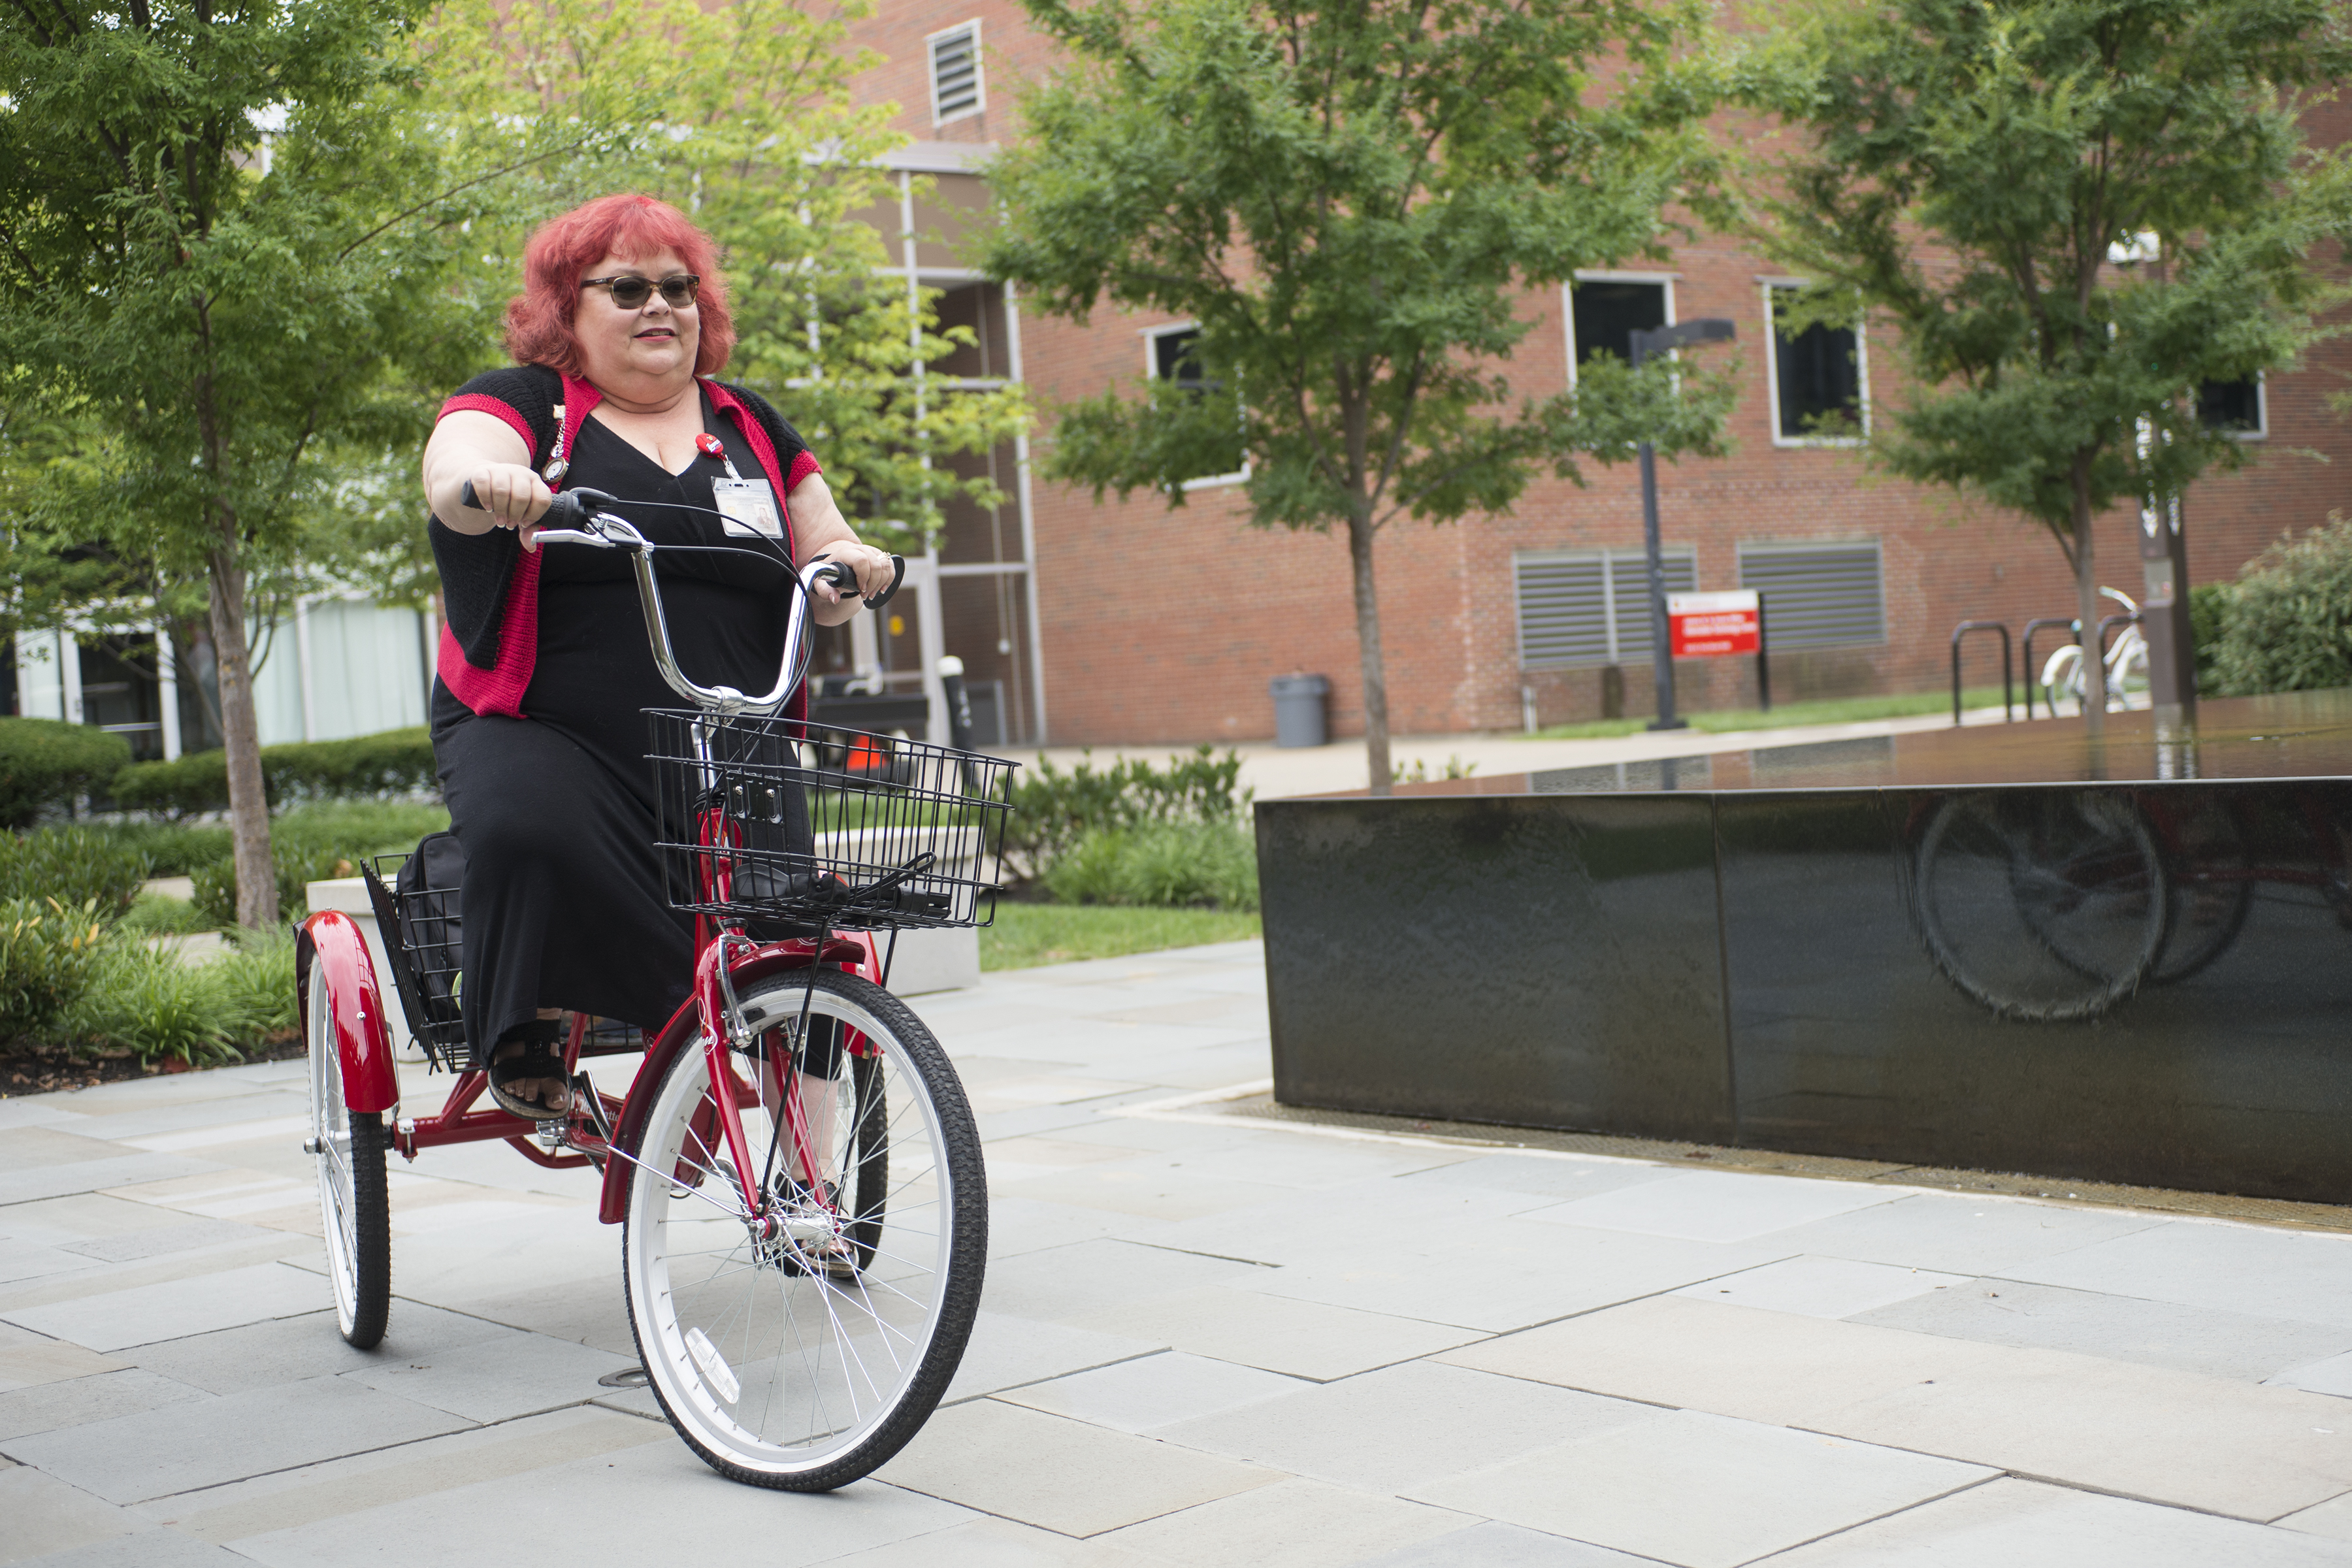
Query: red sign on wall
{"x": 1704, "y": 625}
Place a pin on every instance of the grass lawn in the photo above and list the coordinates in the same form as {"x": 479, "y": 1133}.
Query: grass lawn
{"x": 1787, "y": 715}
{"x": 1026, "y": 936}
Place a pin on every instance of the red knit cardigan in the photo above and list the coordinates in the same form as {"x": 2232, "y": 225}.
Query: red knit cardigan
{"x": 498, "y": 688}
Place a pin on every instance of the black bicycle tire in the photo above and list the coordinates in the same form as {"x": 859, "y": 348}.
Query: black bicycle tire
{"x": 1956, "y": 970}
{"x": 371, "y": 1229}
{"x": 2146, "y": 852}
{"x": 961, "y": 1289}
{"x": 2218, "y": 937}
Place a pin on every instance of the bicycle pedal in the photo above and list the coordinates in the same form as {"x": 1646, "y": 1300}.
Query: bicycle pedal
{"x": 584, "y": 1094}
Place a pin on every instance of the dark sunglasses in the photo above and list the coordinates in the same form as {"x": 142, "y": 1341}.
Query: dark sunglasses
{"x": 677, "y": 290}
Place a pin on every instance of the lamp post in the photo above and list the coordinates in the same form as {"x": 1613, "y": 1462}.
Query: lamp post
{"x": 1645, "y": 342}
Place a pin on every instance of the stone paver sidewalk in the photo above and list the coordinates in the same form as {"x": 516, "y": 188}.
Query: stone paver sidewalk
{"x": 1207, "y": 1340}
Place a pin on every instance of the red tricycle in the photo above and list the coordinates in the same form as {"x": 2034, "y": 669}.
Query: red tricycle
{"x": 795, "y": 1168}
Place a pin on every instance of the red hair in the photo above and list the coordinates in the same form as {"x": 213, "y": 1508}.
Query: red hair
{"x": 539, "y": 319}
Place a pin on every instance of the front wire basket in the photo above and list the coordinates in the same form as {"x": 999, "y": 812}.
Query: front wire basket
{"x": 836, "y": 828}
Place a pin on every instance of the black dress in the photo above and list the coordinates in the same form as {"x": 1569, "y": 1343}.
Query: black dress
{"x": 563, "y": 900}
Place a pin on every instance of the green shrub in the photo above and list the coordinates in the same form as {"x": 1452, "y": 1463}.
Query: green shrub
{"x": 313, "y": 843}
{"x": 355, "y": 828}
{"x": 184, "y": 786}
{"x": 147, "y": 1001}
{"x": 172, "y": 848}
{"x": 155, "y": 914}
{"x": 365, "y": 767}
{"x": 47, "y": 952}
{"x": 45, "y": 763}
{"x": 257, "y": 985}
{"x": 1053, "y": 811}
{"x": 75, "y": 866}
{"x": 1175, "y": 865}
{"x": 2209, "y": 605}
{"x": 215, "y": 902}
{"x": 2286, "y": 623}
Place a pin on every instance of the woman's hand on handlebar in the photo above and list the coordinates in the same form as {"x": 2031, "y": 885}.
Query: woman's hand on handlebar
{"x": 513, "y": 496}
{"x": 876, "y": 574}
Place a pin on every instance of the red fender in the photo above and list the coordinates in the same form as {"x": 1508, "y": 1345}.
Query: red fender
{"x": 338, "y": 955}
{"x": 855, "y": 948}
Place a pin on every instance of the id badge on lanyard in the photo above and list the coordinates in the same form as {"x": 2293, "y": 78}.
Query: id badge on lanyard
{"x": 747, "y": 506}
{"x": 749, "y": 509}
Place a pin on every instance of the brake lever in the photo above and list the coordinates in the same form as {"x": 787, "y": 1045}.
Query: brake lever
{"x": 846, "y": 577}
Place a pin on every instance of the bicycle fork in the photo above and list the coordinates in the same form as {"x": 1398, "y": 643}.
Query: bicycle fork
{"x": 719, "y": 1019}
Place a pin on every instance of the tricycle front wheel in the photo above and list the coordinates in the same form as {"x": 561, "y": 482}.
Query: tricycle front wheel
{"x": 803, "y": 1346}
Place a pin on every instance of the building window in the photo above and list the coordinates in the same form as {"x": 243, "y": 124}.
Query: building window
{"x": 1818, "y": 595}
{"x": 1820, "y": 395}
{"x": 1171, "y": 359}
{"x": 2237, "y": 407}
{"x": 1584, "y": 607}
{"x": 1603, "y": 314}
{"x": 955, "y": 74}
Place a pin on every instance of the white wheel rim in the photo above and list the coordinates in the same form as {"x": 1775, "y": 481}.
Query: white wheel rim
{"x": 331, "y": 1127}
{"x": 828, "y": 1363}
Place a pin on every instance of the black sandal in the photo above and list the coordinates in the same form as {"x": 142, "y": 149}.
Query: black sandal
{"x": 539, "y": 1057}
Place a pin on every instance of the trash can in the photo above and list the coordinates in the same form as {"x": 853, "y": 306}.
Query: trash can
{"x": 1299, "y": 710}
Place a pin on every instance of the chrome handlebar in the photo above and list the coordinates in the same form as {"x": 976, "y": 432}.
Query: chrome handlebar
{"x": 605, "y": 531}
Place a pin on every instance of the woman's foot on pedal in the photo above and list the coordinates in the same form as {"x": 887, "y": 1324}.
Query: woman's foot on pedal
{"x": 526, "y": 1073}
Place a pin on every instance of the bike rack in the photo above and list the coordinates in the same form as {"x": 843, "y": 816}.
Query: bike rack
{"x": 2032, "y": 669}
{"x": 2007, "y": 691}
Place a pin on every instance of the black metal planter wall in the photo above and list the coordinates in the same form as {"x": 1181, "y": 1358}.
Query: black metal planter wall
{"x": 2148, "y": 984}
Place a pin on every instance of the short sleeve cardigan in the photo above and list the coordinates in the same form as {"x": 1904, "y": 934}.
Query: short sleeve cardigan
{"x": 489, "y": 583}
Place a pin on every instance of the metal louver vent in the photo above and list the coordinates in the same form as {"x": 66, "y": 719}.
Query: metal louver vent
{"x": 1589, "y": 607}
{"x": 955, "y": 73}
{"x": 1818, "y": 595}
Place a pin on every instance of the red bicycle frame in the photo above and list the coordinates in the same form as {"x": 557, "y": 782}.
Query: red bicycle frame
{"x": 594, "y": 1134}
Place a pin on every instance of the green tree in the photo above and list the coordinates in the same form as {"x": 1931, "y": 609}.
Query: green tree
{"x": 743, "y": 113}
{"x": 1351, "y": 202}
{"x": 224, "y": 228}
{"x": 2031, "y": 144}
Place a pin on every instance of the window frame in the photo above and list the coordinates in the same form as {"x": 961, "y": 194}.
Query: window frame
{"x": 2261, "y": 430}
{"x": 1151, "y": 336}
{"x": 979, "y": 74}
{"x": 1772, "y": 373}
{"x": 1567, "y": 302}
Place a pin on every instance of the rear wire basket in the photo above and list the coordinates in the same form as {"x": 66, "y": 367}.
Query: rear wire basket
{"x": 420, "y": 930}
{"x": 421, "y": 937}
{"x": 837, "y": 829}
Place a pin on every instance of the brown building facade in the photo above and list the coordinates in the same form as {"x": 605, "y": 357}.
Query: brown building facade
{"x": 1136, "y": 623}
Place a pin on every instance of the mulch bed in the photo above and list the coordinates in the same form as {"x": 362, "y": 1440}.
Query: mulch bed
{"x": 39, "y": 1070}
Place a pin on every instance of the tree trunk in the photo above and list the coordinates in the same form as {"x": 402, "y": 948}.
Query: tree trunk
{"x": 2086, "y": 605}
{"x": 1367, "y": 644}
{"x": 248, "y": 801}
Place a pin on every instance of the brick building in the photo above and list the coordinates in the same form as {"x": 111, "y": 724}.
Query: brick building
{"x": 1134, "y": 623}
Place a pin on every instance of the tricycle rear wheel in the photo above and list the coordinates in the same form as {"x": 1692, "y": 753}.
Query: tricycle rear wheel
{"x": 354, "y": 1209}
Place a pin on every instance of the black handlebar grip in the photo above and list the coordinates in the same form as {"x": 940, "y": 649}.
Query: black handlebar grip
{"x": 897, "y": 576}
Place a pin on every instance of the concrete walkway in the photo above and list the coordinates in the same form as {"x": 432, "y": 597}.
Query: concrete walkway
{"x": 1207, "y": 1340}
{"x": 1273, "y": 772}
